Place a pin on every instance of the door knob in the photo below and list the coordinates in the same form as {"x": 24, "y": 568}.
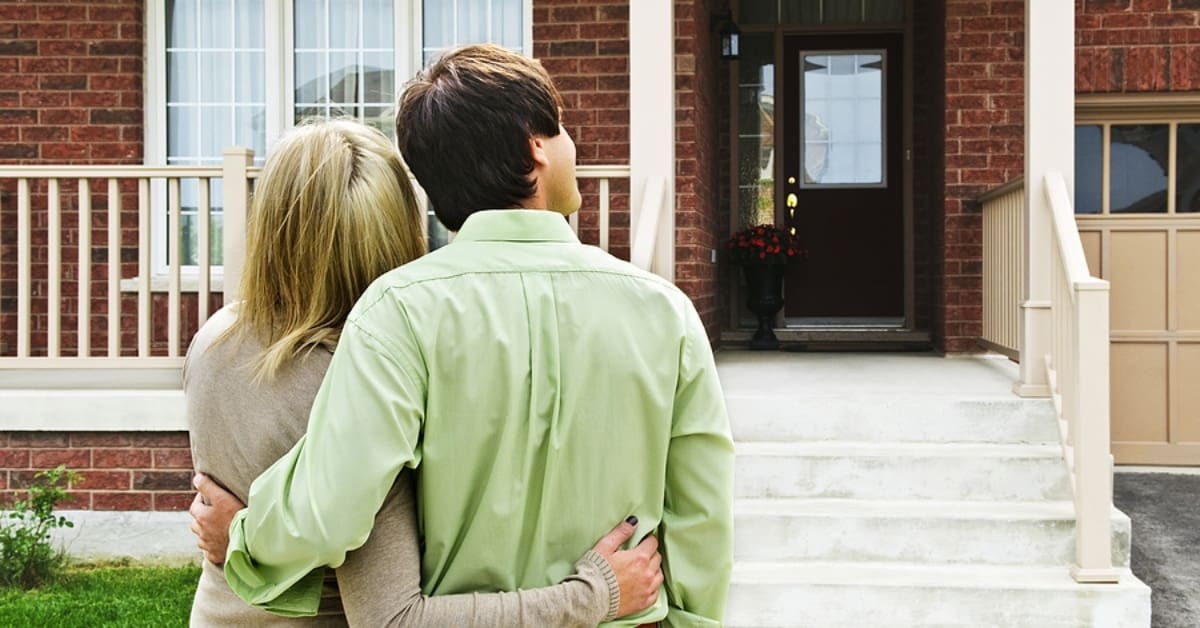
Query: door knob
{"x": 792, "y": 200}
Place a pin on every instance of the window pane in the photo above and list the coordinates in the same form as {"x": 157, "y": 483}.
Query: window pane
{"x": 842, "y": 12}
{"x": 378, "y": 24}
{"x": 1138, "y": 168}
{"x": 309, "y": 15}
{"x": 343, "y": 25}
{"x": 758, "y": 12}
{"x": 211, "y": 79}
{"x": 182, "y": 31}
{"x": 756, "y": 130}
{"x": 450, "y": 23}
{"x": 841, "y": 92}
{"x": 216, "y": 24}
{"x": 1187, "y": 168}
{"x": 883, "y": 10}
{"x": 378, "y": 78}
{"x": 801, "y": 11}
{"x": 1089, "y": 166}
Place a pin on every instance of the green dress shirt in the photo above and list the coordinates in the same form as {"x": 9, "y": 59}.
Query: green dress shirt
{"x": 546, "y": 391}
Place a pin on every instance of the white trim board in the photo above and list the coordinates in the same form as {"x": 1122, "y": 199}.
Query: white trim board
{"x": 93, "y": 410}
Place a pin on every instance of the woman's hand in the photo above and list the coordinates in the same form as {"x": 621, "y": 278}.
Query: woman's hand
{"x": 639, "y": 570}
{"x": 212, "y": 510}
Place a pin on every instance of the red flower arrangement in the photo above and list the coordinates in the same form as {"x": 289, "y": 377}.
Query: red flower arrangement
{"x": 764, "y": 244}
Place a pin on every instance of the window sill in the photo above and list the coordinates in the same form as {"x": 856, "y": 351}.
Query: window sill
{"x": 161, "y": 283}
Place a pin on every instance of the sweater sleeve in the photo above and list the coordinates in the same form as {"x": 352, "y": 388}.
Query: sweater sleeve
{"x": 380, "y": 584}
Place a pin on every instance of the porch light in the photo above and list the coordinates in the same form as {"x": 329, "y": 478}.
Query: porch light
{"x": 730, "y": 36}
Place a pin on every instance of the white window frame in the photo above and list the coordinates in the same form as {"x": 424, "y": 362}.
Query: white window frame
{"x": 280, "y": 87}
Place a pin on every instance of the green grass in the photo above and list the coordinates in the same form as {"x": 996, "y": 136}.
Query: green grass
{"x": 118, "y": 596}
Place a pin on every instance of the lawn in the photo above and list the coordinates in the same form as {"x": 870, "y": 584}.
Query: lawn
{"x": 115, "y": 596}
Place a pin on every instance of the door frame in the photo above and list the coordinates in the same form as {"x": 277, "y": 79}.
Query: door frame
{"x": 781, "y": 31}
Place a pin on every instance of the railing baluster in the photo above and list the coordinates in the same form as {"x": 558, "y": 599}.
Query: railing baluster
{"x": 114, "y": 268}
{"x": 53, "y": 269}
{"x": 174, "y": 254}
{"x": 24, "y": 269}
{"x": 84, "y": 271}
{"x": 204, "y": 270}
{"x": 145, "y": 321}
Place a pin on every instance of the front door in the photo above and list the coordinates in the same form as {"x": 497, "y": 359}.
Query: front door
{"x": 843, "y": 180}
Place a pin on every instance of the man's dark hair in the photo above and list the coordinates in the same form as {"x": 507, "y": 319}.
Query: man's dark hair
{"x": 463, "y": 127}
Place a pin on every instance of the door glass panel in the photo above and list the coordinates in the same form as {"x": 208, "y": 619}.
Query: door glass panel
{"x": 759, "y": 11}
{"x": 1187, "y": 168}
{"x": 883, "y": 10}
{"x": 843, "y": 119}
{"x": 1138, "y": 168}
{"x": 1089, "y": 166}
{"x": 756, "y": 130}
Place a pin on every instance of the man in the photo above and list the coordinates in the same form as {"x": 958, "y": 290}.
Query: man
{"x": 543, "y": 387}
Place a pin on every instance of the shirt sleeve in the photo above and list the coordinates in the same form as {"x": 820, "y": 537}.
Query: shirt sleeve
{"x": 697, "y": 524}
{"x": 380, "y": 584}
{"x": 319, "y": 500}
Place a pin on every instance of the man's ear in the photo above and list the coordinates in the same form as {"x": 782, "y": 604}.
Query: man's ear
{"x": 537, "y": 150}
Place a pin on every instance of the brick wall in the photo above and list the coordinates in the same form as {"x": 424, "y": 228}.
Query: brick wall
{"x": 71, "y": 82}
{"x": 1137, "y": 46}
{"x": 584, "y": 44}
{"x": 698, "y": 228}
{"x": 1122, "y": 46}
{"x": 121, "y": 470}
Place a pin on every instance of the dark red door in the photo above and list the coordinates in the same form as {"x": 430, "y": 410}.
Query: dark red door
{"x": 843, "y": 187}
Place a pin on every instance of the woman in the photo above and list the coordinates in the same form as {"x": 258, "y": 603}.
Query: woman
{"x": 332, "y": 210}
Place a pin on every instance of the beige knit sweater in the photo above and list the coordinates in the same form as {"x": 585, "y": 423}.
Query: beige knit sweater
{"x": 238, "y": 428}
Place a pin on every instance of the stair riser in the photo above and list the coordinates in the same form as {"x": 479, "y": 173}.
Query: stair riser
{"x": 761, "y": 605}
{"x": 758, "y": 418}
{"x": 766, "y": 537}
{"x": 902, "y": 477}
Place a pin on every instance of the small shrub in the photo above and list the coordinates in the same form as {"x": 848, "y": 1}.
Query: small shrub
{"x": 27, "y": 557}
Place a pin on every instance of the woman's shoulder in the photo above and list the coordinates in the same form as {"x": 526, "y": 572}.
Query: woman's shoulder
{"x": 217, "y": 326}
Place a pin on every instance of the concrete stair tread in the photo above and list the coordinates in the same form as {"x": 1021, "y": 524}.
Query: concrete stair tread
{"x": 919, "y": 575}
{"x": 909, "y": 508}
{"x": 892, "y": 449}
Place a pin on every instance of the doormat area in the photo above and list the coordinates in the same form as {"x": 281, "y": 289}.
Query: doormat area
{"x": 1165, "y": 509}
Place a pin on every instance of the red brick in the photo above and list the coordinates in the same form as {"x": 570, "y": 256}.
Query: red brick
{"x": 162, "y": 480}
{"x": 99, "y": 439}
{"x": 57, "y": 440}
{"x": 160, "y": 439}
{"x": 121, "y": 458}
{"x": 121, "y": 501}
{"x": 173, "y": 501}
{"x": 172, "y": 459}
{"x": 96, "y": 480}
{"x": 50, "y": 458}
{"x": 14, "y": 459}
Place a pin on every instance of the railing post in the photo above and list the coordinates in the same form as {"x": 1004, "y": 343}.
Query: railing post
{"x": 652, "y": 120}
{"x": 1093, "y": 462}
{"x": 236, "y": 195}
{"x": 1049, "y": 146}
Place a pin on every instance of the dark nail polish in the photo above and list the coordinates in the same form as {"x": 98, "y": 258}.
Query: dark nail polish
{"x": 632, "y": 520}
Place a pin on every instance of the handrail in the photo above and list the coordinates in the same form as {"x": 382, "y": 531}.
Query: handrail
{"x": 1077, "y": 369}
{"x": 116, "y": 172}
{"x": 1067, "y": 233}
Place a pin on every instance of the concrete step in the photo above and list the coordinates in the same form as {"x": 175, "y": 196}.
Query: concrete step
{"x": 994, "y": 533}
{"x": 891, "y": 418}
{"x": 896, "y": 595}
{"x": 969, "y": 472}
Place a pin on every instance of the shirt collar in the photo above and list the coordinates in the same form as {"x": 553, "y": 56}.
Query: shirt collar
{"x": 516, "y": 225}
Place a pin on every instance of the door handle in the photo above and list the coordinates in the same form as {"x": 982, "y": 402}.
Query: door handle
{"x": 791, "y": 203}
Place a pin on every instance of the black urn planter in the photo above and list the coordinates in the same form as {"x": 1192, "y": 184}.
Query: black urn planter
{"x": 764, "y": 297}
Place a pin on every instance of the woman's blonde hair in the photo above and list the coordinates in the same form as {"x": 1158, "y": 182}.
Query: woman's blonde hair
{"x": 332, "y": 210}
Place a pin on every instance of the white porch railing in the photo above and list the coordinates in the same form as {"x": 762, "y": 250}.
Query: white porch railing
{"x": 1003, "y": 267}
{"x": 1077, "y": 369}
{"x": 1076, "y": 363}
{"x": 131, "y": 326}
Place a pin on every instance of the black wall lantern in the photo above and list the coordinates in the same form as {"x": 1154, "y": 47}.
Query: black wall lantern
{"x": 730, "y": 37}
